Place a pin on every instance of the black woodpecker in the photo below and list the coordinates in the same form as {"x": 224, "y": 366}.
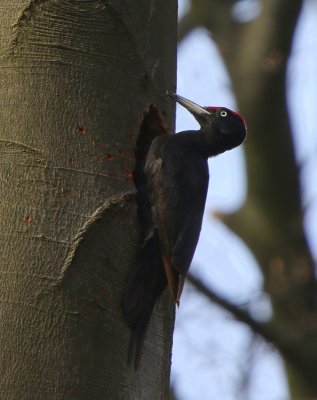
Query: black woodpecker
{"x": 176, "y": 176}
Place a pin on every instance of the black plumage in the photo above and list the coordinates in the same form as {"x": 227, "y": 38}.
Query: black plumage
{"x": 176, "y": 175}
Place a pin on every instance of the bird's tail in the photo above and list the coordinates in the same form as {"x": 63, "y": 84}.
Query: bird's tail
{"x": 145, "y": 285}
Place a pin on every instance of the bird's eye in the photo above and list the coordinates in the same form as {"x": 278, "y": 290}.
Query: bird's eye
{"x": 223, "y": 113}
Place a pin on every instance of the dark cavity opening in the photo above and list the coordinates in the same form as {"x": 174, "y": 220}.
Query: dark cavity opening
{"x": 151, "y": 127}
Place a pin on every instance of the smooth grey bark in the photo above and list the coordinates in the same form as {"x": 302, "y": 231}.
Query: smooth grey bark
{"x": 76, "y": 78}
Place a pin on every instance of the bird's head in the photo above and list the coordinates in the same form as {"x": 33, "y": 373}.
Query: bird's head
{"x": 226, "y": 128}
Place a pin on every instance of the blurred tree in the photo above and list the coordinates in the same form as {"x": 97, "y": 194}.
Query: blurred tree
{"x": 255, "y": 53}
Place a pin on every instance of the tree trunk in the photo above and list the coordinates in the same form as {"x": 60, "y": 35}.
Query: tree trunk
{"x": 76, "y": 80}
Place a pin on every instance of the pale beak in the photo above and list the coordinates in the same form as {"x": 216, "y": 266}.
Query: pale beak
{"x": 192, "y": 107}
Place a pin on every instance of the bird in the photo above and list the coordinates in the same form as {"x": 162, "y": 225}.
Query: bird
{"x": 176, "y": 180}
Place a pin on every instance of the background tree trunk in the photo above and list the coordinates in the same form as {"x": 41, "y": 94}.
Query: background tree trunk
{"x": 271, "y": 221}
{"x": 76, "y": 78}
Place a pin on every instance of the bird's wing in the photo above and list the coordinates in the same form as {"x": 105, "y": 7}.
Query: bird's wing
{"x": 178, "y": 186}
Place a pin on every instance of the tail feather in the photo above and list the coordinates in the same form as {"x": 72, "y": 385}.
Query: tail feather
{"x": 144, "y": 287}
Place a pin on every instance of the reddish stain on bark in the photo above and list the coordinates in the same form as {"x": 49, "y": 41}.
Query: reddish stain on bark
{"x": 128, "y": 175}
{"x": 81, "y": 130}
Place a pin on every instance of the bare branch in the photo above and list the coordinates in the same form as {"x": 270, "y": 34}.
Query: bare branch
{"x": 273, "y": 332}
{"x": 265, "y": 330}
{"x": 211, "y": 14}
{"x": 186, "y": 25}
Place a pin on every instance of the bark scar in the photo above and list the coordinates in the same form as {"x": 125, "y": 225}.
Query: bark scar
{"x": 25, "y": 15}
{"x": 90, "y": 240}
{"x": 9, "y": 143}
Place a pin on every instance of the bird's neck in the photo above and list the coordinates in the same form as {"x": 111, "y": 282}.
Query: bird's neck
{"x": 206, "y": 144}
